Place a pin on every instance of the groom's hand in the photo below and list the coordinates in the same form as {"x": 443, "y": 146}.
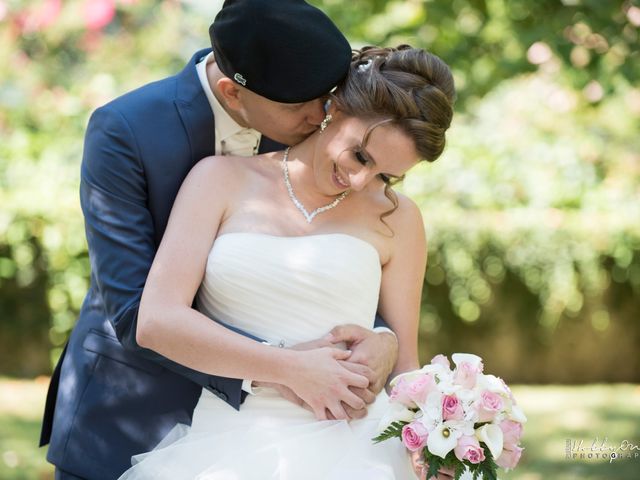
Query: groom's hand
{"x": 378, "y": 351}
{"x": 421, "y": 468}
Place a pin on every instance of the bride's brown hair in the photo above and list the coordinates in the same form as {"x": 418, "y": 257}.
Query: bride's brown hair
{"x": 407, "y": 87}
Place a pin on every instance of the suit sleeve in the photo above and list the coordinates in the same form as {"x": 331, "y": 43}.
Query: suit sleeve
{"x": 121, "y": 237}
{"x": 380, "y": 322}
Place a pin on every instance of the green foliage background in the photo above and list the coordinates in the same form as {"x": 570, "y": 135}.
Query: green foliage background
{"x": 533, "y": 212}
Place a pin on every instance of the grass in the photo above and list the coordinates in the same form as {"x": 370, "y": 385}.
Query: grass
{"x": 556, "y": 414}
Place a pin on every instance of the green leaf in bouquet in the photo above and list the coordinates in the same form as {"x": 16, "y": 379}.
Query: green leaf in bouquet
{"x": 393, "y": 430}
{"x": 435, "y": 464}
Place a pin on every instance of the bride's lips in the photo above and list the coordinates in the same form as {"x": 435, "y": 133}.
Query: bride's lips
{"x": 338, "y": 180}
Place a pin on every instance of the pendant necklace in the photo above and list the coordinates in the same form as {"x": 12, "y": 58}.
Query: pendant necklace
{"x": 309, "y": 216}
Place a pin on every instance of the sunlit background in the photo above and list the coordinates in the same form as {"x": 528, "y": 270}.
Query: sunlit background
{"x": 532, "y": 213}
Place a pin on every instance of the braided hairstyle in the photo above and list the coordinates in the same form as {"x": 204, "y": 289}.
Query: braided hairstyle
{"x": 410, "y": 86}
{"x": 407, "y": 87}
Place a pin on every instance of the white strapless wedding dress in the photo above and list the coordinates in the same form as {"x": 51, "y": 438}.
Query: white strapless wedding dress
{"x": 291, "y": 290}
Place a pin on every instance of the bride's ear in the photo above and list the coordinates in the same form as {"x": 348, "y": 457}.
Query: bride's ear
{"x": 330, "y": 108}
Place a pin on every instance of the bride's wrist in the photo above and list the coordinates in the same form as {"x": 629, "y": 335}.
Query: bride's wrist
{"x": 284, "y": 366}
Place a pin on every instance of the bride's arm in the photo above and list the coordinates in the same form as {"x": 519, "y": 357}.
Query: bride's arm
{"x": 167, "y": 323}
{"x": 402, "y": 279}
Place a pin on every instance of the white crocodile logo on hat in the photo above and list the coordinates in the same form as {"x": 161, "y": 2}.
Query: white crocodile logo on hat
{"x": 240, "y": 79}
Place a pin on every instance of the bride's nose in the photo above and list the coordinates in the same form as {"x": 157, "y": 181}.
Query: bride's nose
{"x": 360, "y": 178}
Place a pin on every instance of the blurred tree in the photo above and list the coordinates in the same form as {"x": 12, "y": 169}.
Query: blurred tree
{"x": 532, "y": 212}
{"x": 593, "y": 44}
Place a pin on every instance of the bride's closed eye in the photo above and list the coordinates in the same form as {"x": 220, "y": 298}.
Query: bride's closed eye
{"x": 387, "y": 179}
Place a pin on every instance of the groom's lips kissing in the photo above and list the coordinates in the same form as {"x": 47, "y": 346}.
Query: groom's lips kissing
{"x": 338, "y": 180}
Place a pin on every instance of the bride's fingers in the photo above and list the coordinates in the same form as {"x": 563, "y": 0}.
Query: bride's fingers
{"x": 340, "y": 354}
{"x": 319, "y": 411}
{"x": 360, "y": 369}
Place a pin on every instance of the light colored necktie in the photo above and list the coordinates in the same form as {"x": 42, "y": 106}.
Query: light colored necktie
{"x": 243, "y": 143}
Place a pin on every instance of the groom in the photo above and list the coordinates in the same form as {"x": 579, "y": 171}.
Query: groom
{"x": 260, "y": 88}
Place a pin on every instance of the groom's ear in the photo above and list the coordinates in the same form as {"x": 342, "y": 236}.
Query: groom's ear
{"x": 230, "y": 92}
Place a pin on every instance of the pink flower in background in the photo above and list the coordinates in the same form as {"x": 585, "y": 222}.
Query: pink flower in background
{"x": 509, "y": 458}
{"x": 3, "y": 10}
{"x": 98, "y": 13}
{"x": 511, "y": 433}
{"x": 40, "y": 16}
{"x": 488, "y": 406}
{"x": 414, "y": 436}
{"x": 469, "y": 448}
{"x": 451, "y": 408}
{"x": 441, "y": 360}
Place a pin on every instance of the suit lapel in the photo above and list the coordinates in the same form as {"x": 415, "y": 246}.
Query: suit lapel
{"x": 195, "y": 111}
{"x": 197, "y": 118}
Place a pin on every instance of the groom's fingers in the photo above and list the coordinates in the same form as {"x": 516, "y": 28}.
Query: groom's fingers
{"x": 349, "y": 333}
{"x": 337, "y": 411}
{"x": 365, "y": 394}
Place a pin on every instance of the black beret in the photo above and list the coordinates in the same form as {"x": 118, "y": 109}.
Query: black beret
{"x": 285, "y": 50}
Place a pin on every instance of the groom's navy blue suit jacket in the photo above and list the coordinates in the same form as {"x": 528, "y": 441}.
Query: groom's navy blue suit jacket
{"x": 110, "y": 399}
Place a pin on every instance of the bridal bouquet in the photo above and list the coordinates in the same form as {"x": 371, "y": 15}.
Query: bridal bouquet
{"x": 460, "y": 418}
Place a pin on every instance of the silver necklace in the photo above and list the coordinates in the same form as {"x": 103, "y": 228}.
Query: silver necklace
{"x": 297, "y": 203}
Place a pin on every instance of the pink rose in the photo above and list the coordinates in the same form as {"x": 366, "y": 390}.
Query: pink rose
{"x": 511, "y": 433}
{"x": 469, "y": 448}
{"x": 489, "y": 405}
{"x": 400, "y": 393}
{"x": 467, "y": 374}
{"x": 509, "y": 458}
{"x": 421, "y": 387}
{"x": 451, "y": 408}
{"x": 441, "y": 360}
{"x": 414, "y": 436}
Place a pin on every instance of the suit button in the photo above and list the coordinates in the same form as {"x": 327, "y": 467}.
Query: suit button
{"x": 222, "y": 396}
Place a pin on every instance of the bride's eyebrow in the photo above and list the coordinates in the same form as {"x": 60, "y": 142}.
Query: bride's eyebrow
{"x": 362, "y": 149}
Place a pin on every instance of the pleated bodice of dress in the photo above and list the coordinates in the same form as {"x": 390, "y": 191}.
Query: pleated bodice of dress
{"x": 287, "y": 290}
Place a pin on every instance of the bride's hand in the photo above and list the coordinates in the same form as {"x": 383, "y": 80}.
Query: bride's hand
{"x": 378, "y": 351}
{"x": 322, "y": 382}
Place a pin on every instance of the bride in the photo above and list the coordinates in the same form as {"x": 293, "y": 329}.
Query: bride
{"x": 288, "y": 246}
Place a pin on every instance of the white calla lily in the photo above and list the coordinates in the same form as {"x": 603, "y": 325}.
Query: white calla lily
{"x": 517, "y": 415}
{"x": 396, "y": 412}
{"x": 492, "y": 437}
{"x": 473, "y": 360}
{"x": 408, "y": 376}
{"x": 493, "y": 384}
{"x": 442, "y": 440}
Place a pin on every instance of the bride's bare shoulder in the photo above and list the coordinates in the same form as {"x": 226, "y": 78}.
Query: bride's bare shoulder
{"x": 236, "y": 168}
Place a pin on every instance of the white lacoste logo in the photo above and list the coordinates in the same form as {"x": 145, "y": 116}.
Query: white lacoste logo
{"x": 240, "y": 79}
